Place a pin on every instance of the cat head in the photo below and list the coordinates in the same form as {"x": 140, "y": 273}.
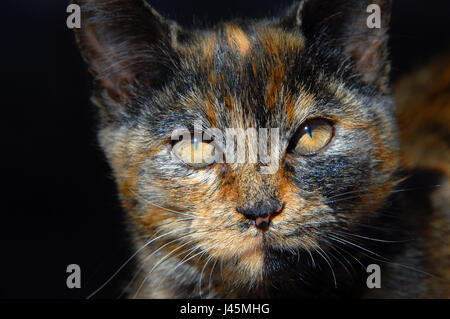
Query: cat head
{"x": 318, "y": 74}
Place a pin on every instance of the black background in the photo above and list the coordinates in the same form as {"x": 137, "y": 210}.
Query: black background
{"x": 58, "y": 201}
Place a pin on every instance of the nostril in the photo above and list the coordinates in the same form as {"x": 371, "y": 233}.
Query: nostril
{"x": 262, "y": 222}
{"x": 261, "y": 214}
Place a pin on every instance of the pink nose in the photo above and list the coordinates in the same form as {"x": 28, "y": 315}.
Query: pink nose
{"x": 262, "y": 222}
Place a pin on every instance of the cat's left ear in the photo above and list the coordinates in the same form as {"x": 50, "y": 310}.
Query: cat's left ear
{"x": 357, "y": 27}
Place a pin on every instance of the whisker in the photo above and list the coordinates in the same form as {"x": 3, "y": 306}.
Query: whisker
{"x": 385, "y": 260}
{"x": 188, "y": 252}
{"x": 350, "y": 255}
{"x": 355, "y": 245}
{"x": 374, "y": 239}
{"x": 173, "y": 211}
{"x": 415, "y": 188}
{"x": 141, "y": 268}
{"x": 326, "y": 260}
{"x": 310, "y": 254}
{"x": 331, "y": 246}
{"x": 347, "y": 193}
{"x": 181, "y": 263}
{"x": 147, "y": 201}
{"x": 159, "y": 262}
{"x": 125, "y": 263}
{"x": 340, "y": 200}
{"x": 210, "y": 275}
{"x": 201, "y": 276}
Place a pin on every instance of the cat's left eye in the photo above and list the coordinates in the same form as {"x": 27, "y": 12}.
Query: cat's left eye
{"x": 313, "y": 136}
{"x": 195, "y": 153}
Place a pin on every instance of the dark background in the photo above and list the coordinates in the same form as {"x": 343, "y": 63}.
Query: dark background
{"x": 58, "y": 201}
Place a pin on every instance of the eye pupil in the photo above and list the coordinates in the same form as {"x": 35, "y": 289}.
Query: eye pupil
{"x": 308, "y": 130}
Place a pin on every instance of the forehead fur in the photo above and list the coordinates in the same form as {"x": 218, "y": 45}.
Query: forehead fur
{"x": 246, "y": 65}
{"x": 243, "y": 74}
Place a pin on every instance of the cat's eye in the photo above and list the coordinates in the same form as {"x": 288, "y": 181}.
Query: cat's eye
{"x": 195, "y": 153}
{"x": 313, "y": 136}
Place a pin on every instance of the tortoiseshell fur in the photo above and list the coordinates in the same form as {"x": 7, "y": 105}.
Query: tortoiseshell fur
{"x": 342, "y": 209}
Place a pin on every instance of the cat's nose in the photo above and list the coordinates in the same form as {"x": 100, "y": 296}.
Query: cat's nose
{"x": 262, "y": 212}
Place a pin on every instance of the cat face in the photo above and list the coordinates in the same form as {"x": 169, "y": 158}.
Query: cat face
{"x": 321, "y": 84}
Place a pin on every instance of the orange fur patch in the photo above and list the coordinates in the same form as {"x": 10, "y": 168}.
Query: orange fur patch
{"x": 208, "y": 48}
{"x": 237, "y": 39}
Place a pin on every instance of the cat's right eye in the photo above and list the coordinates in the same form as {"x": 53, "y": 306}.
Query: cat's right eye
{"x": 195, "y": 153}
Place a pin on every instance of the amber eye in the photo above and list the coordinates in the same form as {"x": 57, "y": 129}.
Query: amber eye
{"x": 313, "y": 136}
{"x": 195, "y": 153}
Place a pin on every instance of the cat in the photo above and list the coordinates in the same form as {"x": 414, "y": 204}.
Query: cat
{"x": 343, "y": 195}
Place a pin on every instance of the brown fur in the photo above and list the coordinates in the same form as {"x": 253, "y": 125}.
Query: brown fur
{"x": 424, "y": 116}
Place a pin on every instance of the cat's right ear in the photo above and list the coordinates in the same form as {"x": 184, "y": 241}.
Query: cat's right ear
{"x": 125, "y": 43}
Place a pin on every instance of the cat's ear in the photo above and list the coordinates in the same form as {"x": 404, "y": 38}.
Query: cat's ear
{"x": 357, "y": 27}
{"x": 125, "y": 42}
{"x": 292, "y": 17}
